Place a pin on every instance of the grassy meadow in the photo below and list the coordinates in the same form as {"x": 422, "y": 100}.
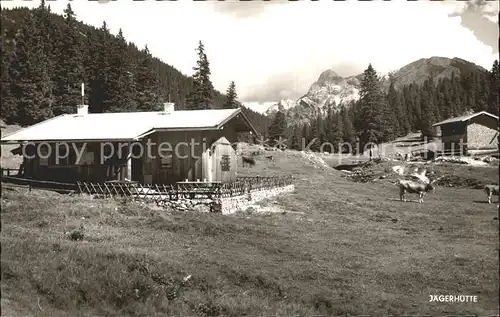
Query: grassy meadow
{"x": 334, "y": 247}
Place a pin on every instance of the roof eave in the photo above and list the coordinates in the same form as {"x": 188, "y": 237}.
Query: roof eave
{"x": 31, "y": 126}
{"x": 233, "y": 115}
{"x": 442, "y": 123}
{"x": 67, "y": 140}
{"x": 466, "y": 118}
{"x": 142, "y": 135}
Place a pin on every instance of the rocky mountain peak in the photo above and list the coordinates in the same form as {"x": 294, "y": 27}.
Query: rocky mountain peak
{"x": 329, "y": 76}
{"x": 282, "y": 105}
{"x": 330, "y": 89}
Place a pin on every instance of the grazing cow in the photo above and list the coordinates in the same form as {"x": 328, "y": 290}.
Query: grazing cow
{"x": 249, "y": 160}
{"x": 491, "y": 190}
{"x": 415, "y": 188}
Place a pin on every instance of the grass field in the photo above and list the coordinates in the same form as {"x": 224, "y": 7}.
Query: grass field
{"x": 339, "y": 247}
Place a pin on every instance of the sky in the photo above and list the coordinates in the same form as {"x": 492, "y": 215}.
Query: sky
{"x": 276, "y": 49}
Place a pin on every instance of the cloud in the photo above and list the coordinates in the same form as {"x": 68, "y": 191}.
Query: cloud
{"x": 293, "y": 85}
{"x": 274, "y": 51}
{"x": 276, "y": 87}
{"x": 348, "y": 68}
{"x": 244, "y": 9}
{"x": 481, "y": 17}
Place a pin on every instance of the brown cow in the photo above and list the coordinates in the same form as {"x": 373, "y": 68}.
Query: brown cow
{"x": 249, "y": 160}
{"x": 491, "y": 190}
{"x": 415, "y": 188}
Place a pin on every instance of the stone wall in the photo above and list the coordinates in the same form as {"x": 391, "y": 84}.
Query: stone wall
{"x": 228, "y": 205}
{"x": 481, "y": 137}
{"x": 231, "y": 205}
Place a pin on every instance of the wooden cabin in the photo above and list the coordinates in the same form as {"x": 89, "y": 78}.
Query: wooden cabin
{"x": 162, "y": 147}
{"x": 469, "y": 134}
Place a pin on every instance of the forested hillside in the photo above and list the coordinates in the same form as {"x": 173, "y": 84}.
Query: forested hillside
{"x": 46, "y": 57}
{"x": 381, "y": 117}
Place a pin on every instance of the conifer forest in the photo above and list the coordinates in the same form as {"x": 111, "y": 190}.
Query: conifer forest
{"x": 46, "y": 57}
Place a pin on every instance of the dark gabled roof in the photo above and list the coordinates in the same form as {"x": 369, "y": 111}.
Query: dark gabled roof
{"x": 464, "y": 118}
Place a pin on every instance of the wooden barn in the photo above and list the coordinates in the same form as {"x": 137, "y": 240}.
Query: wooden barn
{"x": 469, "y": 134}
{"x": 162, "y": 147}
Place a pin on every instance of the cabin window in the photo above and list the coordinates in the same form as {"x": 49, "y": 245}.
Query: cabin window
{"x": 88, "y": 158}
{"x": 166, "y": 160}
{"x": 107, "y": 151}
{"x": 87, "y": 154}
{"x": 44, "y": 160}
{"x": 67, "y": 156}
{"x": 225, "y": 163}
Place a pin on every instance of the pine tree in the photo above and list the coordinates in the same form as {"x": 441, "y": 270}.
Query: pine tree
{"x": 277, "y": 128}
{"x": 31, "y": 86}
{"x": 395, "y": 106}
{"x": 329, "y": 123}
{"x": 447, "y": 107}
{"x": 370, "y": 119}
{"x": 321, "y": 133}
{"x": 338, "y": 136}
{"x": 295, "y": 141}
{"x": 349, "y": 134}
{"x": 48, "y": 33}
{"x": 494, "y": 88}
{"x": 202, "y": 94}
{"x": 312, "y": 132}
{"x": 333, "y": 127}
{"x": 69, "y": 15}
{"x": 69, "y": 71}
{"x": 9, "y": 109}
{"x": 120, "y": 81}
{"x": 483, "y": 91}
{"x": 414, "y": 106}
{"x": 231, "y": 97}
{"x": 306, "y": 136}
{"x": 458, "y": 107}
{"x": 99, "y": 99}
{"x": 427, "y": 106}
{"x": 404, "y": 124}
{"x": 390, "y": 124}
{"x": 147, "y": 83}
{"x": 435, "y": 102}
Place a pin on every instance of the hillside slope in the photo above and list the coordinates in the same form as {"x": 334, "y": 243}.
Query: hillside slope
{"x": 334, "y": 247}
{"x": 435, "y": 67}
{"x": 172, "y": 82}
{"x": 91, "y": 58}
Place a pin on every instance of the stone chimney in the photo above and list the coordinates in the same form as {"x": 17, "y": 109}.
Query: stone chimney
{"x": 82, "y": 109}
{"x": 168, "y": 107}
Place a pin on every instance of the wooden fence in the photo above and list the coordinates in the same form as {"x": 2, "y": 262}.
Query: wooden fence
{"x": 38, "y": 184}
{"x": 161, "y": 193}
{"x": 157, "y": 193}
{"x": 8, "y": 171}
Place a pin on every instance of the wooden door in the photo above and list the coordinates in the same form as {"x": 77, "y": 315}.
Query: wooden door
{"x": 223, "y": 161}
{"x": 136, "y": 169}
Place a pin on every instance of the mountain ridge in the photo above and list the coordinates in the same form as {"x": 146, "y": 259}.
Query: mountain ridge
{"x": 333, "y": 89}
